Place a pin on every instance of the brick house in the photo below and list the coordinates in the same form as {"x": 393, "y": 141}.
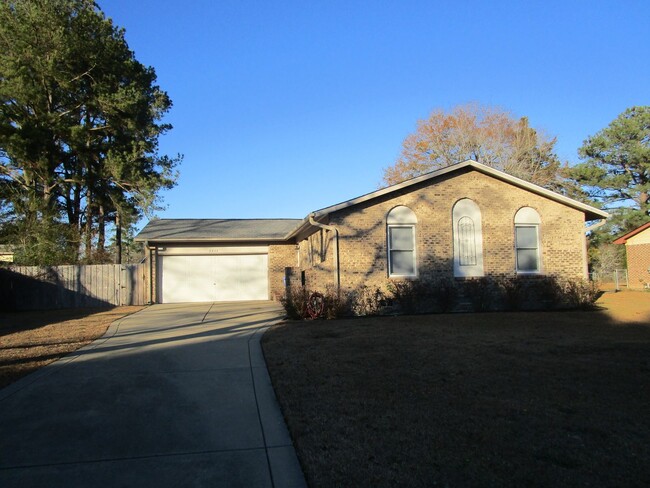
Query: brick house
{"x": 460, "y": 222}
{"x": 637, "y": 250}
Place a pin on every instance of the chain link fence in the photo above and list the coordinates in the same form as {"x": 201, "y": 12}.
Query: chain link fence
{"x": 614, "y": 280}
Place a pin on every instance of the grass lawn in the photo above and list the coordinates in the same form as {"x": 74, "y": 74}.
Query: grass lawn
{"x": 30, "y": 340}
{"x": 462, "y": 400}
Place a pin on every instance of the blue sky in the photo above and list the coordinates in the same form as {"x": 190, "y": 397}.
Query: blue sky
{"x": 281, "y": 108}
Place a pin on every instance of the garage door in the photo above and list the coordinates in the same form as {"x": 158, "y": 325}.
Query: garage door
{"x": 213, "y": 278}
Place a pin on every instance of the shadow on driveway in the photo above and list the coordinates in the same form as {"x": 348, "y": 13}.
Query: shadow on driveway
{"x": 174, "y": 395}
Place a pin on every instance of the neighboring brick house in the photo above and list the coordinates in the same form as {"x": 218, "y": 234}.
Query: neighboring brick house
{"x": 463, "y": 221}
{"x": 637, "y": 249}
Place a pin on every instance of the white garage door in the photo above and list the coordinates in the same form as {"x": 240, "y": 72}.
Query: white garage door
{"x": 214, "y": 278}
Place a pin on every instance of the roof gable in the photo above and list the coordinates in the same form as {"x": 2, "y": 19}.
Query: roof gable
{"x": 591, "y": 213}
{"x": 629, "y": 235}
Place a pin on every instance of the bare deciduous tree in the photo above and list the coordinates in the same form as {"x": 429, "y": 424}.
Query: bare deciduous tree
{"x": 485, "y": 134}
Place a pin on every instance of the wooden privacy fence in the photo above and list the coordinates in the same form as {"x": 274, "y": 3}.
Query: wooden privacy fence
{"x": 51, "y": 287}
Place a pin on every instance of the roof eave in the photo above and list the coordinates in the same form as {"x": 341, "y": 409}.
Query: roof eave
{"x": 300, "y": 229}
{"x": 623, "y": 239}
{"x": 209, "y": 239}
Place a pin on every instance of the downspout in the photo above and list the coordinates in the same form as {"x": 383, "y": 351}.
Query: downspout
{"x": 150, "y": 251}
{"x": 337, "y": 267}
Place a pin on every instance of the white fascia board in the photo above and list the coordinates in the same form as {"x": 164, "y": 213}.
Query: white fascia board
{"x": 207, "y": 240}
{"x": 301, "y": 229}
{"x": 542, "y": 191}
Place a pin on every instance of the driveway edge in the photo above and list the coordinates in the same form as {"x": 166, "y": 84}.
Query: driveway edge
{"x": 286, "y": 471}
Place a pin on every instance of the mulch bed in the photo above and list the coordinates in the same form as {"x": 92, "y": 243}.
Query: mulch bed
{"x": 494, "y": 399}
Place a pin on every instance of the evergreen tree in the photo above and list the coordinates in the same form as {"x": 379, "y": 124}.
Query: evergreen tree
{"x": 616, "y": 168}
{"x": 80, "y": 120}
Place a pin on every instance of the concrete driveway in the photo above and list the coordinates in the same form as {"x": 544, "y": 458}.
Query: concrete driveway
{"x": 174, "y": 395}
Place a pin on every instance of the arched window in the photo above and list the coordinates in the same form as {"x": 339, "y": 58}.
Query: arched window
{"x": 466, "y": 242}
{"x": 468, "y": 239}
{"x": 527, "y": 222}
{"x": 400, "y": 233}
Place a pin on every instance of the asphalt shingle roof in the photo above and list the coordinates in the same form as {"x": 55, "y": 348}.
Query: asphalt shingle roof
{"x": 217, "y": 229}
{"x": 281, "y": 229}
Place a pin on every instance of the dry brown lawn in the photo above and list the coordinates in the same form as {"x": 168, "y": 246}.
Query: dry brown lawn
{"x": 30, "y": 340}
{"x": 462, "y": 400}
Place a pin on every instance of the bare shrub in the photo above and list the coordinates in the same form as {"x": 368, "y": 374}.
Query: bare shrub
{"x": 416, "y": 296}
{"x": 367, "y": 301}
{"x": 294, "y": 302}
{"x": 337, "y": 304}
{"x": 444, "y": 295}
{"x": 513, "y": 291}
{"x": 580, "y": 294}
{"x": 481, "y": 293}
{"x": 411, "y": 296}
{"x": 548, "y": 292}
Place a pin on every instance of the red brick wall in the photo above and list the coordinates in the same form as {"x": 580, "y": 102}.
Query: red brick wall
{"x": 638, "y": 263}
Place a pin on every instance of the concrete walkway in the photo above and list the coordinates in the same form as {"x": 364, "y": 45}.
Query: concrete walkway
{"x": 174, "y": 395}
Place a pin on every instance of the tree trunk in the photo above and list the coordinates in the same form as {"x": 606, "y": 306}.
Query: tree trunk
{"x": 118, "y": 239}
{"x": 101, "y": 230}
{"x": 644, "y": 201}
{"x": 89, "y": 225}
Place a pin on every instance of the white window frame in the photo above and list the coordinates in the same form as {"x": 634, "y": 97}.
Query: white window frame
{"x": 467, "y": 208}
{"x": 466, "y": 242}
{"x": 527, "y": 217}
{"x": 401, "y": 217}
{"x": 413, "y": 251}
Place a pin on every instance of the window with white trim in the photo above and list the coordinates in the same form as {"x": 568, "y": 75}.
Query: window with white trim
{"x": 400, "y": 230}
{"x": 527, "y": 248}
{"x": 466, "y": 242}
{"x": 468, "y": 239}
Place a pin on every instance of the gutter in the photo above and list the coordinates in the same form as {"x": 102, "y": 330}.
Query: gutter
{"x": 336, "y": 248}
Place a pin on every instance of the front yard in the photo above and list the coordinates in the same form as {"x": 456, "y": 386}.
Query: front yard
{"x": 30, "y": 340}
{"x": 493, "y": 399}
